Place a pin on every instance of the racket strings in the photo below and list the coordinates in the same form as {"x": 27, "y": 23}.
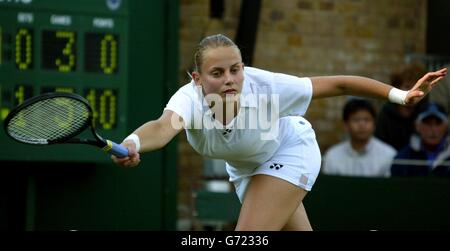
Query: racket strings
{"x": 49, "y": 120}
{"x": 46, "y": 123}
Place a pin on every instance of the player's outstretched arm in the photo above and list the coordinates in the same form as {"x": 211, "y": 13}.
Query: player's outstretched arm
{"x": 330, "y": 86}
{"x": 152, "y": 135}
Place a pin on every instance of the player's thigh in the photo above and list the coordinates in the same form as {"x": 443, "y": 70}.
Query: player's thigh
{"x": 299, "y": 221}
{"x": 269, "y": 203}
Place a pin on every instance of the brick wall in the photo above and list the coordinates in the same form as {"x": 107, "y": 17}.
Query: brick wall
{"x": 323, "y": 37}
{"x": 307, "y": 38}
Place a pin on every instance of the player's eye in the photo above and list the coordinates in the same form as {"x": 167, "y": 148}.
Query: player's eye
{"x": 216, "y": 74}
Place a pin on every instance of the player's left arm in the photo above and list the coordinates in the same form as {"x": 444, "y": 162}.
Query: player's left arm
{"x": 329, "y": 86}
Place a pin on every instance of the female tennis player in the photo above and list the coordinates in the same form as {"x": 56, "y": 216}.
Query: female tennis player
{"x": 252, "y": 119}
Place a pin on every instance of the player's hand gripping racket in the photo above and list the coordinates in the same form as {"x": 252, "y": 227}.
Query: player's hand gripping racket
{"x": 55, "y": 118}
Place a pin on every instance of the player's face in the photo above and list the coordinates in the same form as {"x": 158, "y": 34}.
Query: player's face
{"x": 431, "y": 130}
{"x": 361, "y": 125}
{"x": 221, "y": 72}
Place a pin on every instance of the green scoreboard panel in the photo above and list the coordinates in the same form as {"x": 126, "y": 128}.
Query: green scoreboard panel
{"x": 121, "y": 55}
{"x": 65, "y": 46}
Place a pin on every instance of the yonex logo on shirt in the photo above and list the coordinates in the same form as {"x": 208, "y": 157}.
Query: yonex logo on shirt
{"x": 226, "y": 132}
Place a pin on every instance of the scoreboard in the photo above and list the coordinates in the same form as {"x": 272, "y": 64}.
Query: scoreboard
{"x": 65, "y": 46}
{"x": 121, "y": 55}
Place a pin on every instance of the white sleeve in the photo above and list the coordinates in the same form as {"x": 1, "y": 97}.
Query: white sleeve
{"x": 181, "y": 103}
{"x": 295, "y": 93}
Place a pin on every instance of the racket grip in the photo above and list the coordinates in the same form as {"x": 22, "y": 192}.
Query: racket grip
{"x": 116, "y": 149}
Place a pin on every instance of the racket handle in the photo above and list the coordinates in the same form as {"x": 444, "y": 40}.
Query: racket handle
{"x": 116, "y": 149}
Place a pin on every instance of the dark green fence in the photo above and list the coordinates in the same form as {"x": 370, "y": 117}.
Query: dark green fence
{"x": 346, "y": 203}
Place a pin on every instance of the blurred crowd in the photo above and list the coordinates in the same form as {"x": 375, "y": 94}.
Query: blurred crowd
{"x": 396, "y": 140}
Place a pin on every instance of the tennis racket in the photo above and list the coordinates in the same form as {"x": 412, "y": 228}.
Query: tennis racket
{"x": 56, "y": 118}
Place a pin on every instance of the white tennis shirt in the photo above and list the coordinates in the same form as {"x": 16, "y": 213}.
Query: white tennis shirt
{"x": 244, "y": 142}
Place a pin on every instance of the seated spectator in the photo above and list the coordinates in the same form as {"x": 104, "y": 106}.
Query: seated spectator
{"x": 362, "y": 154}
{"x": 429, "y": 151}
{"x": 395, "y": 123}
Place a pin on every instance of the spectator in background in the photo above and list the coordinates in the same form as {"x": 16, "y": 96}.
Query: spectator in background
{"x": 441, "y": 94}
{"x": 395, "y": 123}
{"x": 362, "y": 154}
{"x": 429, "y": 151}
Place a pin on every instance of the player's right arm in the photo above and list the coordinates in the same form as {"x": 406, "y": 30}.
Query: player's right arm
{"x": 157, "y": 133}
{"x": 153, "y": 135}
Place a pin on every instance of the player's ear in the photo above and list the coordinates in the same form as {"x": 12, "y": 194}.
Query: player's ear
{"x": 196, "y": 77}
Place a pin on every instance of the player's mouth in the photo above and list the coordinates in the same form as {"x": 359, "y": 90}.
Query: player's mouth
{"x": 230, "y": 92}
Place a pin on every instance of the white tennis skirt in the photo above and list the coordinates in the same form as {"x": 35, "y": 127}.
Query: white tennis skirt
{"x": 297, "y": 160}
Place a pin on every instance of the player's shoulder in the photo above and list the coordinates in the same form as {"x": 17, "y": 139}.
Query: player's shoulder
{"x": 188, "y": 90}
{"x": 280, "y": 82}
{"x": 258, "y": 80}
{"x": 248, "y": 70}
{"x": 257, "y": 75}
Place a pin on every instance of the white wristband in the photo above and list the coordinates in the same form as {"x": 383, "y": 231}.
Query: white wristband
{"x": 133, "y": 137}
{"x": 397, "y": 96}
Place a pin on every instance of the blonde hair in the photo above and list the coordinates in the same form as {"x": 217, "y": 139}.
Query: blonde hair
{"x": 213, "y": 41}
